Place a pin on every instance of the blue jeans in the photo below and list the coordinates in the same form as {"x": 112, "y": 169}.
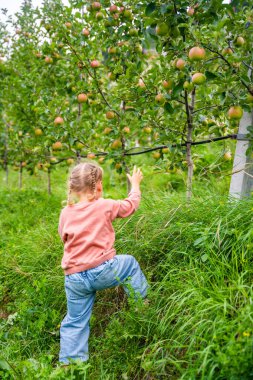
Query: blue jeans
{"x": 81, "y": 290}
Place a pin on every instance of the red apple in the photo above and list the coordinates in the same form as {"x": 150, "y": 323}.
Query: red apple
{"x": 110, "y": 115}
{"x": 113, "y": 9}
{"x": 180, "y": 64}
{"x": 198, "y": 78}
{"x": 190, "y": 11}
{"x": 85, "y": 32}
{"x": 235, "y": 113}
{"x": 167, "y": 84}
{"x": 82, "y": 98}
{"x": 48, "y": 60}
{"x": 57, "y": 145}
{"x": 95, "y": 64}
{"x": 96, "y": 5}
{"x": 116, "y": 144}
{"x": 58, "y": 120}
{"x": 159, "y": 98}
{"x": 197, "y": 54}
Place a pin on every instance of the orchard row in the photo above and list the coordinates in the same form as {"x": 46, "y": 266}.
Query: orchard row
{"x": 104, "y": 80}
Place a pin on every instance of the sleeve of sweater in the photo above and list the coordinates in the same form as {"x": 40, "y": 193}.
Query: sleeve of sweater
{"x": 126, "y": 207}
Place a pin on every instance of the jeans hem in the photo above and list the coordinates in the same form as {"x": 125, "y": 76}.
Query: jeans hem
{"x": 69, "y": 359}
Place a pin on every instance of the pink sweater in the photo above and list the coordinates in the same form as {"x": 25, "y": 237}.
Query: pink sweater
{"x": 87, "y": 232}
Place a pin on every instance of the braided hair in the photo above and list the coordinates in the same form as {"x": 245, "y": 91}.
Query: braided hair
{"x": 84, "y": 178}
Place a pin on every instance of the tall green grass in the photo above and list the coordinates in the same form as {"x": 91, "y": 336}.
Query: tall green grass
{"x": 198, "y": 260}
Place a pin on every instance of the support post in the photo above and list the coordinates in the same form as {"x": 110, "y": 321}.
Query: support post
{"x": 241, "y": 184}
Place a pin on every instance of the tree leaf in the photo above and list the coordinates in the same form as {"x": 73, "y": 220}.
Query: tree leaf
{"x": 168, "y": 107}
{"x": 150, "y": 9}
{"x": 4, "y": 365}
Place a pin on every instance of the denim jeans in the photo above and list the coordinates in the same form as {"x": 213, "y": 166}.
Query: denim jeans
{"x": 81, "y": 290}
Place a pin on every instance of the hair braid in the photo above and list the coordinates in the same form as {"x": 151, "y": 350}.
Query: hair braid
{"x": 93, "y": 181}
{"x": 83, "y": 179}
{"x": 69, "y": 200}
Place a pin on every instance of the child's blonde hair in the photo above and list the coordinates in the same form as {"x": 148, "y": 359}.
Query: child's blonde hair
{"x": 83, "y": 178}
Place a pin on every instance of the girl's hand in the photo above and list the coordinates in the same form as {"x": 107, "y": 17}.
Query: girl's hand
{"x": 136, "y": 177}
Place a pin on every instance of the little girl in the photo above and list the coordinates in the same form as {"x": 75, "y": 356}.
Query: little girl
{"x": 89, "y": 261}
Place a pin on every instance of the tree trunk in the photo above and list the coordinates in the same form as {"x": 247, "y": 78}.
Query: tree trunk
{"x": 49, "y": 190}
{"x": 189, "y": 113}
{"x": 6, "y": 174}
{"x": 20, "y": 175}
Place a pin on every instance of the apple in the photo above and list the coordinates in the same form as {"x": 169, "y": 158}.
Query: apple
{"x": 82, "y": 98}
{"x": 198, "y": 78}
{"x": 40, "y": 165}
{"x": 162, "y": 29}
{"x": 156, "y": 155}
{"x": 85, "y": 32}
{"x": 133, "y": 32}
{"x": 227, "y": 156}
{"x": 48, "y": 59}
{"x": 53, "y": 159}
{"x": 190, "y": 11}
{"x": 141, "y": 83}
{"x": 159, "y": 98}
{"x": 111, "y": 76}
{"x": 20, "y": 133}
{"x": 68, "y": 25}
{"x": 165, "y": 150}
{"x": 23, "y": 164}
{"x": 38, "y": 55}
{"x": 101, "y": 160}
{"x": 38, "y": 132}
{"x": 249, "y": 98}
{"x": 196, "y": 53}
{"x": 91, "y": 156}
{"x": 110, "y": 115}
{"x": 112, "y": 50}
{"x": 18, "y": 31}
{"x": 70, "y": 161}
{"x": 95, "y": 64}
{"x": 167, "y": 84}
{"x": 239, "y": 41}
{"x": 126, "y": 129}
{"x": 147, "y": 130}
{"x": 58, "y": 120}
{"x": 99, "y": 16}
{"x": 118, "y": 165}
{"x": 227, "y": 51}
{"x": 116, "y": 144}
{"x": 113, "y": 9}
{"x": 188, "y": 86}
{"x": 235, "y": 113}
{"x": 107, "y": 130}
{"x": 96, "y": 6}
{"x": 180, "y": 64}
{"x": 138, "y": 48}
{"x": 79, "y": 145}
{"x": 57, "y": 55}
{"x": 57, "y": 145}
{"x": 128, "y": 14}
